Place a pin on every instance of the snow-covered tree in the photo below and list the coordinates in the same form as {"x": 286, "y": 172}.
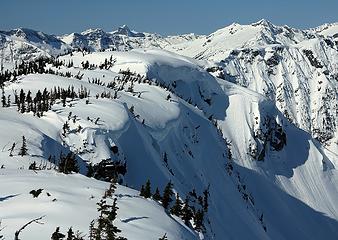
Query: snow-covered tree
{"x": 23, "y": 150}
{"x": 177, "y": 208}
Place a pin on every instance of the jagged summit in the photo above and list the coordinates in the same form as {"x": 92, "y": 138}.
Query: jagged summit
{"x": 93, "y": 30}
{"x": 30, "y": 35}
{"x": 124, "y": 30}
{"x": 263, "y": 22}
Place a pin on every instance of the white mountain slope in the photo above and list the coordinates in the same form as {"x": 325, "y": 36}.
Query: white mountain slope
{"x": 25, "y": 44}
{"x": 267, "y": 180}
{"x": 218, "y": 45}
{"x": 71, "y": 201}
{"x": 296, "y": 69}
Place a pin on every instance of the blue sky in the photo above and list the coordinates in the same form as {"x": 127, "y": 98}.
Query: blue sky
{"x": 164, "y": 17}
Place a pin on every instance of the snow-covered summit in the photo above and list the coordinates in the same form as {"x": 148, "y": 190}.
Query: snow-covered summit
{"x": 328, "y": 29}
{"x": 33, "y": 36}
{"x": 124, "y": 30}
{"x": 219, "y": 44}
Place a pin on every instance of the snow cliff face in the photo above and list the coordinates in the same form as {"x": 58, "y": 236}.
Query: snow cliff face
{"x": 242, "y": 119}
{"x": 294, "y": 68}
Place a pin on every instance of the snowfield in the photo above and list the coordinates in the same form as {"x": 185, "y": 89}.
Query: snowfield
{"x": 251, "y": 118}
{"x": 71, "y": 201}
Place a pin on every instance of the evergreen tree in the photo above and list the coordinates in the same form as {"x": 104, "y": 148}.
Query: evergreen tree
{"x": 177, "y": 208}
{"x": 205, "y": 199}
{"x": 70, "y": 234}
{"x": 3, "y": 98}
{"x": 32, "y": 166}
{"x": 90, "y": 170}
{"x": 111, "y": 190}
{"x": 9, "y": 101}
{"x": 65, "y": 128}
{"x": 111, "y": 229}
{"x": 68, "y": 163}
{"x": 157, "y": 195}
{"x": 142, "y": 191}
{"x": 198, "y": 220}
{"x": 147, "y": 190}
{"x": 22, "y": 100}
{"x": 168, "y": 97}
{"x": 167, "y": 195}
{"x": 106, "y": 229}
{"x": 11, "y": 150}
{"x": 29, "y": 101}
{"x": 92, "y": 231}
{"x": 57, "y": 235}
{"x": 103, "y": 228}
{"x": 131, "y": 109}
{"x": 23, "y": 149}
{"x": 186, "y": 212}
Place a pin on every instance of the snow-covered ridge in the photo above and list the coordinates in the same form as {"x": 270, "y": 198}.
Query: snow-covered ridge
{"x": 250, "y": 116}
{"x": 329, "y": 29}
{"x": 122, "y": 39}
{"x": 219, "y": 44}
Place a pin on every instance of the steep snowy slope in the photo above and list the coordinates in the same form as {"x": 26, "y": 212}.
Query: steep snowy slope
{"x": 296, "y": 69}
{"x": 284, "y": 167}
{"x": 70, "y": 201}
{"x": 301, "y": 79}
{"x": 256, "y": 164}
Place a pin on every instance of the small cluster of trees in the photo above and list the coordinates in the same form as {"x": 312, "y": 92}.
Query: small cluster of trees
{"x": 57, "y": 235}
{"x": 107, "y": 170}
{"x": 64, "y": 74}
{"x": 68, "y": 164}
{"x": 107, "y": 64}
{"x": 32, "y": 66}
{"x": 23, "y": 149}
{"x": 103, "y": 228}
{"x": 6, "y": 76}
{"x": 186, "y": 209}
{"x": 43, "y": 100}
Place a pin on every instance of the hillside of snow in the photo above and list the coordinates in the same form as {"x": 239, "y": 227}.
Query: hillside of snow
{"x": 71, "y": 201}
{"x": 246, "y": 116}
{"x": 297, "y": 69}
